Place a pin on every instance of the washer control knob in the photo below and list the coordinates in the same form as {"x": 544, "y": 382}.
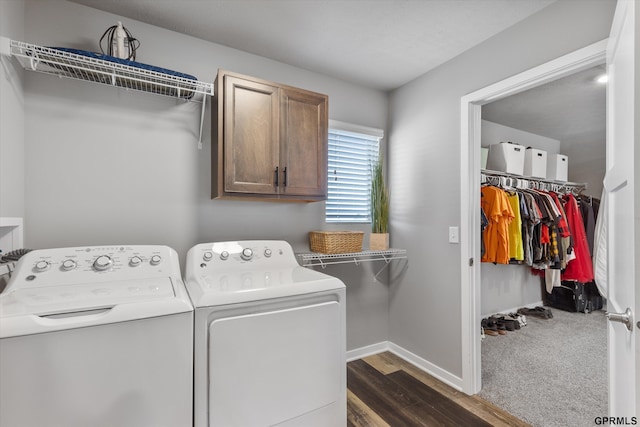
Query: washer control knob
{"x": 102, "y": 263}
{"x": 155, "y": 260}
{"x": 267, "y": 253}
{"x": 68, "y": 264}
{"x": 135, "y": 261}
{"x": 42, "y": 266}
{"x": 247, "y": 254}
{"x": 208, "y": 256}
{"x": 224, "y": 255}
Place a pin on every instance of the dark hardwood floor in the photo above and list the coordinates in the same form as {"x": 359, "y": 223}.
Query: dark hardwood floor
{"x": 385, "y": 391}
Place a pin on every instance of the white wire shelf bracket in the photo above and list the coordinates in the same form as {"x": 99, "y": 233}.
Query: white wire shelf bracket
{"x": 312, "y": 259}
{"x": 80, "y": 67}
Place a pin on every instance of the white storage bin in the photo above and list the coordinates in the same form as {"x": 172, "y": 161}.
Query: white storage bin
{"x": 484, "y": 153}
{"x": 506, "y": 157}
{"x": 557, "y": 167}
{"x": 535, "y": 163}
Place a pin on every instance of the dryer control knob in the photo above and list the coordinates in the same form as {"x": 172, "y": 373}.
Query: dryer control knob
{"x": 208, "y": 256}
{"x": 135, "y": 261}
{"x": 41, "y": 266}
{"x": 247, "y": 254}
{"x": 155, "y": 260}
{"x": 68, "y": 264}
{"x": 102, "y": 263}
{"x": 224, "y": 255}
{"x": 267, "y": 253}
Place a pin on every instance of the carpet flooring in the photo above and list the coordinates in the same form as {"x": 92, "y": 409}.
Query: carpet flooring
{"x": 552, "y": 372}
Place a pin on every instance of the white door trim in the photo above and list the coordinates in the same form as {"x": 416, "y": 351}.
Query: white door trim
{"x": 471, "y": 107}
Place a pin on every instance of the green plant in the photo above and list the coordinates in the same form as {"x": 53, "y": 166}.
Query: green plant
{"x": 379, "y": 199}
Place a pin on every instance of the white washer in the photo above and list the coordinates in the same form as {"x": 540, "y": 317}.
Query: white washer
{"x": 270, "y": 338}
{"x": 96, "y": 336}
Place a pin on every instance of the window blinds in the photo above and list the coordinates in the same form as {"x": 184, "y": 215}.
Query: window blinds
{"x": 351, "y": 159}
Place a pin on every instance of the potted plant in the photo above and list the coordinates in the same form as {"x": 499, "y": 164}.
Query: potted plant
{"x": 379, "y": 238}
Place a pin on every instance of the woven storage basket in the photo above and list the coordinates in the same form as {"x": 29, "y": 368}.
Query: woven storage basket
{"x": 335, "y": 242}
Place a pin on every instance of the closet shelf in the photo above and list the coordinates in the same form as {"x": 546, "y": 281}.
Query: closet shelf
{"x": 311, "y": 259}
{"x": 63, "y": 63}
{"x": 520, "y": 181}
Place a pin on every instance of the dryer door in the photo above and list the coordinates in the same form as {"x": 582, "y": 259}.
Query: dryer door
{"x": 271, "y": 367}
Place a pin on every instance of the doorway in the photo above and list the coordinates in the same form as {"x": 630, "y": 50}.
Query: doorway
{"x": 471, "y": 107}
{"x": 566, "y": 116}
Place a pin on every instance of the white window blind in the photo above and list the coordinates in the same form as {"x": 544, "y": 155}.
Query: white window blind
{"x": 353, "y": 150}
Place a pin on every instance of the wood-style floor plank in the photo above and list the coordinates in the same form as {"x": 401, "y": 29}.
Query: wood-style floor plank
{"x": 385, "y": 390}
{"x": 359, "y": 414}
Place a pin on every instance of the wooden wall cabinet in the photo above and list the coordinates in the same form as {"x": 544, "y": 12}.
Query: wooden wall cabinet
{"x": 269, "y": 140}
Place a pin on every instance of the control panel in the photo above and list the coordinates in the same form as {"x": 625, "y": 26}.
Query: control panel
{"x": 241, "y": 255}
{"x": 94, "y": 264}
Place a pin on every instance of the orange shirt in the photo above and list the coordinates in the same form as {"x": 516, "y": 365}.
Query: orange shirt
{"x": 495, "y": 205}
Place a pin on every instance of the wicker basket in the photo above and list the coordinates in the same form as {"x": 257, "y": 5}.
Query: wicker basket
{"x": 335, "y": 242}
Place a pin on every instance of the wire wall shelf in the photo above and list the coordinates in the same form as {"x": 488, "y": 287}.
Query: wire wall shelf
{"x": 65, "y": 64}
{"x": 312, "y": 259}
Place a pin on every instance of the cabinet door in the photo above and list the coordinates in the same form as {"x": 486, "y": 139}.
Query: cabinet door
{"x": 303, "y": 143}
{"x": 251, "y": 134}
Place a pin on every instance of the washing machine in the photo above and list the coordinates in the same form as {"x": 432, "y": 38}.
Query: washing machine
{"x": 269, "y": 338}
{"x": 97, "y": 336}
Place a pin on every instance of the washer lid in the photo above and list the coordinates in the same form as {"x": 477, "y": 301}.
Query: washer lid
{"x": 232, "y": 287}
{"x": 25, "y": 311}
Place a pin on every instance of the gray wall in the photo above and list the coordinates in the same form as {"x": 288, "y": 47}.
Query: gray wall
{"x": 106, "y": 166}
{"x": 11, "y": 116}
{"x": 424, "y": 151}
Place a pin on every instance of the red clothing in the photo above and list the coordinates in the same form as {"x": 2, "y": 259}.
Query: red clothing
{"x": 581, "y": 268}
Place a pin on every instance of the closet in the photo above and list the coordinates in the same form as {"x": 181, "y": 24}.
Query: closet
{"x": 566, "y": 117}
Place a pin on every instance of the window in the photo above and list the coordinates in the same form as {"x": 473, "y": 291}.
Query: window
{"x": 353, "y": 150}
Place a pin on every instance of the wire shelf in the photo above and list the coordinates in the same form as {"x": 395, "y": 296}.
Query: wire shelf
{"x": 309, "y": 259}
{"x": 71, "y": 65}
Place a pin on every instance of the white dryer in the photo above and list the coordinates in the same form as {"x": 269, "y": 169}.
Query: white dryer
{"x": 270, "y": 338}
{"x": 96, "y": 336}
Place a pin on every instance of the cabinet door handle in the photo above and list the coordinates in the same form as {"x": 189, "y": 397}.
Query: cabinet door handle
{"x": 285, "y": 177}
{"x": 277, "y": 175}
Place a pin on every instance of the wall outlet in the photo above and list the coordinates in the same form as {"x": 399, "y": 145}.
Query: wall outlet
{"x": 454, "y": 235}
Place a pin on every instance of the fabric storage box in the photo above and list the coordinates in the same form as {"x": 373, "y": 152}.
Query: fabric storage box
{"x": 335, "y": 242}
{"x": 535, "y": 163}
{"x": 506, "y": 157}
{"x": 557, "y": 167}
{"x": 484, "y": 153}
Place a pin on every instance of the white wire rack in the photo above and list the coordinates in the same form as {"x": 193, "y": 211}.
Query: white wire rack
{"x": 71, "y": 65}
{"x": 311, "y": 259}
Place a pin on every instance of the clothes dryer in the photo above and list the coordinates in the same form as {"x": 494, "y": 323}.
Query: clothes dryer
{"x": 270, "y": 338}
{"x": 96, "y": 336}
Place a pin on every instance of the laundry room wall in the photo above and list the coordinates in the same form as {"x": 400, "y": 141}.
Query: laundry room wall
{"x": 424, "y": 162}
{"x": 11, "y": 116}
{"x": 108, "y": 166}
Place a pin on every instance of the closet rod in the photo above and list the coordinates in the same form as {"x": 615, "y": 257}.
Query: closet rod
{"x": 519, "y": 181}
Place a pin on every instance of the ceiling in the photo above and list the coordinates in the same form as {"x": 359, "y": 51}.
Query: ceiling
{"x": 381, "y": 44}
{"x": 571, "y": 110}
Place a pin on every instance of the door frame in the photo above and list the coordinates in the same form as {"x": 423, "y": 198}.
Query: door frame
{"x": 470, "y": 126}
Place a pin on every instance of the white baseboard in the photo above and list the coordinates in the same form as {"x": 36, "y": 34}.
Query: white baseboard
{"x": 368, "y": 350}
{"x": 428, "y": 367}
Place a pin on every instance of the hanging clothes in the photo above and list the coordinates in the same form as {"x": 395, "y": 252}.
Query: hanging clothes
{"x": 499, "y": 213}
{"x": 580, "y": 269}
{"x": 516, "y": 250}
